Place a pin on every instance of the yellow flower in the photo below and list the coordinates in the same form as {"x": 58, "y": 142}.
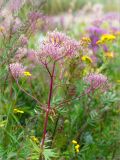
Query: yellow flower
{"x": 27, "y": 74}
{"x": 86, "y": 39}
{"x": 99, "y": 42}
{"x": 77, "y": 148}
{"x": 74, "y": 141}
{"x": 35, "y": 139}
{"x": 1, "y": 29}
{"x": 86, "y": 58}
{"x": 18, "y": 111}
{"x": 105, "y": 38}
{"x": 109, "y": 54}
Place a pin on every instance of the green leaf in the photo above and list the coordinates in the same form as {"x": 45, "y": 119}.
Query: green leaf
{"x": 49, "y": 154}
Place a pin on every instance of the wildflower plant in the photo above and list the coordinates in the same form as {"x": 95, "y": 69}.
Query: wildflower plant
{"x": 17, "y": 70}
{"x": 55, "y": 48}
{"x": 96, "y": 81}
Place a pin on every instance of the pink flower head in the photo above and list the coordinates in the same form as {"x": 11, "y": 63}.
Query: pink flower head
{"x": 17, "y": 70}
{"x": 72, "y": 46}
{"x": 56, "y": 38}
{"x": 58, "y": 45}
{"x": 52, "y": 51}
{"x": 96, "y": 81}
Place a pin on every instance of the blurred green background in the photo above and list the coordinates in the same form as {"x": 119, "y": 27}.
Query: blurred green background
{"x": 57, "y": 6}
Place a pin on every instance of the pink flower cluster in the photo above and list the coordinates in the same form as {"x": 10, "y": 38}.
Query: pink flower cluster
{"x": 96, "y": 81}
{"x": 58, "y": 45}
{"x": 17, "y": 70}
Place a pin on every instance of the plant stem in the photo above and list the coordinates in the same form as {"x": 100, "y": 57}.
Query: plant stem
{"x": 48, "y": 106}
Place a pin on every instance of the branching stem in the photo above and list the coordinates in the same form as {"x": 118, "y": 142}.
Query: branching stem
{"x": 48, "y": 104}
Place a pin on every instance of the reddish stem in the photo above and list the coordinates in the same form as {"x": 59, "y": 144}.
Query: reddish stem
{"x": 48, "y": 108}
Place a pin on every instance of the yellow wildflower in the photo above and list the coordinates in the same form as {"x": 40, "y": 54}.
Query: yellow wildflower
{"x": 1, "y": 29}
{"x": 105, "y": 38}
{"x": 86, "y": 39}
{"x": 18, "y": 111}
{"x": 74, "y": 141}
{"x": 86, "y": 58}
{"x": 99, "y": 42}
{"x": 35, "y": 139}
{"x": 77, "y": 148}
{"x": 109, "y": 54}
{"x": 27, "y": 74}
